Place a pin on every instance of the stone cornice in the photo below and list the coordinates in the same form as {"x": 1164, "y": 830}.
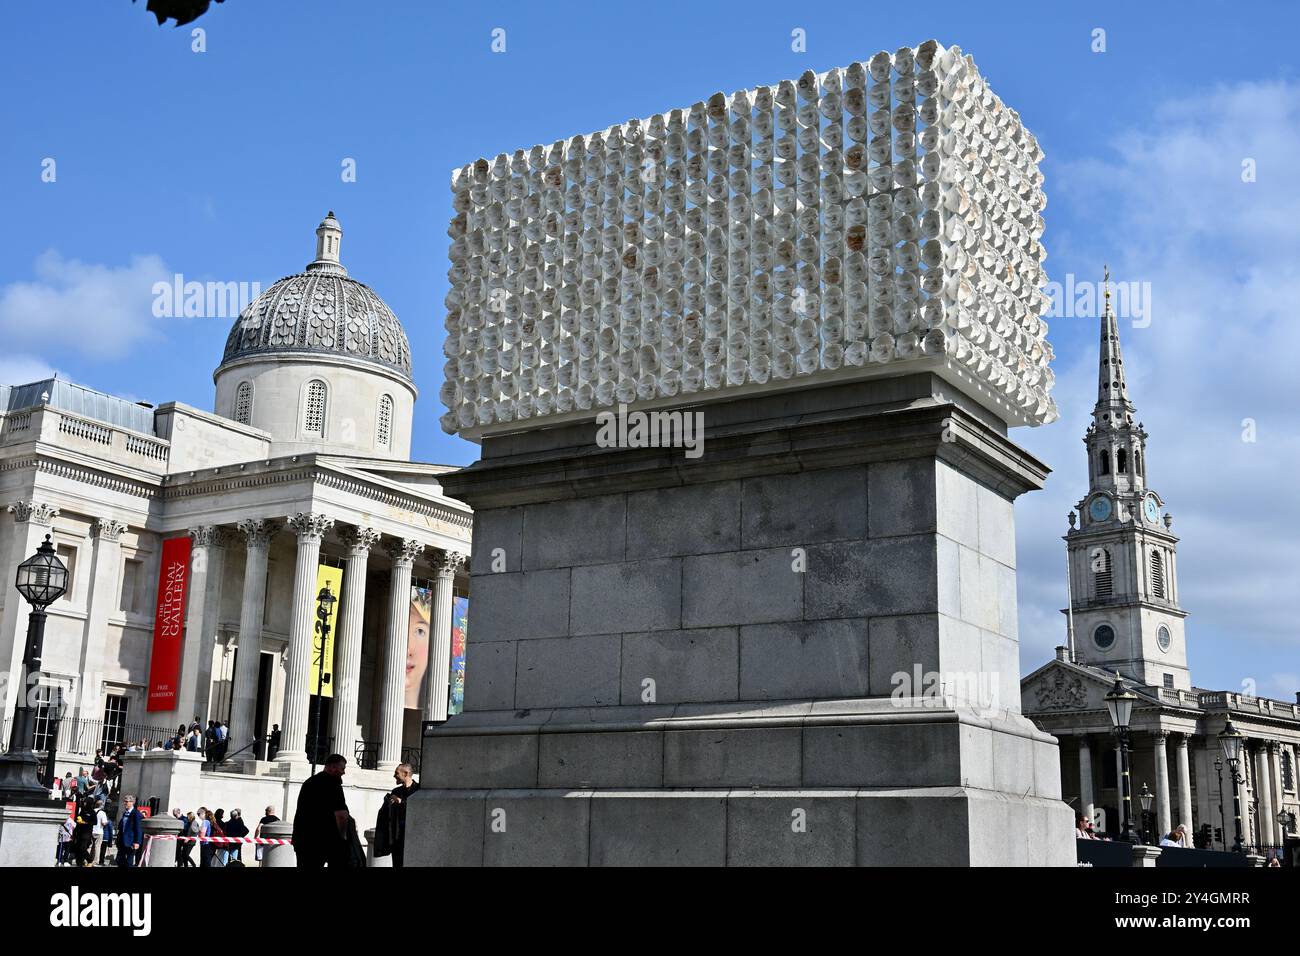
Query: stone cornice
{"x": 96, "y": 477}
{"x": 835, "y": 438}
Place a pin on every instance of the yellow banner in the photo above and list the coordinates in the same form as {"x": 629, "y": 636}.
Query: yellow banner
{"x": 332, "y": 578}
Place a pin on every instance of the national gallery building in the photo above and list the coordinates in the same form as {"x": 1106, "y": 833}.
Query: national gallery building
{"x": 199, "y": 544}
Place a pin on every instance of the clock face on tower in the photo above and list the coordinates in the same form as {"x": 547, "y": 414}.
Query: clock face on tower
{"x": 1151, "y": 508}
{"x": 1099, "y": 508}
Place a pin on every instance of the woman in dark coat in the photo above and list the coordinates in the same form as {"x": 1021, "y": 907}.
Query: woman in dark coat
{"x": 83, "y": 833}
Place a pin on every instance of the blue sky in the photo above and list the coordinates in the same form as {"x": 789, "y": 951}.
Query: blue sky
{"x": 218, "y": 165}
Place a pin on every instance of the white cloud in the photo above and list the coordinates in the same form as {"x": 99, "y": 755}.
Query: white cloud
{"x": 94, "y": 309}
{"x": 22, "y": 369}
{"x": 1168, "y": 206}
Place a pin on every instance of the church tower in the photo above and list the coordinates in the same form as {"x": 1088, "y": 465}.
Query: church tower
{"x": 1122, "y": 556}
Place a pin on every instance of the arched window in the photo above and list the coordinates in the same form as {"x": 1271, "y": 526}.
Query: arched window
{"x": 313, "y": 416}
{"x": 1157, "y": 573}
{"x": 244, "y": 403}
{"x": 1137, "y": 464}
{"x": 384, "y": 422}
{"x": 1101, "y": 573}
{"x": 1103, "y": 462}
{"x": 1121, "y": 462}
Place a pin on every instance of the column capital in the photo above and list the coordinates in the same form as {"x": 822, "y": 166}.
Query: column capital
{"x": 447, "y": 564}
{"x": 258, "y": 532}
{"x": 209, "y": 536}
{"x": 310, "y": 525}
{"x": 110, "y": 529}
{"x": 37, "y": 512}
{"x": 404, "y": 551}
{"x": 359, "y": 541}
{"x": 1160, "y": 735}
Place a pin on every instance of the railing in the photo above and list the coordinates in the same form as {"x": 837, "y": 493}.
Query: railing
{"x": 83, "y": 737}
{"x": 86, "y": 429}
{"x": 365, "y": 754}
{"x": 97, "y": 438}
{"x": 149, "y": 448}
{"x": 19, "y": 422}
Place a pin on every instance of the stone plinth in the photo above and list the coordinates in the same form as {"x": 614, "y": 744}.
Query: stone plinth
{"x": 29, "y": 833}
{"x": 281, "y": 855}
{"x": 160, "y": 834}
{"x": 799, "y": 647}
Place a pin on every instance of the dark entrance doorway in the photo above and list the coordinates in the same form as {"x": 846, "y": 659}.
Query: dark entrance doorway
{"x": 265, "y": 668}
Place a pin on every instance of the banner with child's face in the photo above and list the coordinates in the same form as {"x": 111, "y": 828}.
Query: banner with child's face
{"x": 417, "y": 645}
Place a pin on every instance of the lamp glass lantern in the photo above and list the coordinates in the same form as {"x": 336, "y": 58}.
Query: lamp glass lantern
{"x": 1119, "y": 704}
{"x": 1231, "y": 740}
{"x": 42, "y": 579}
{"x": 1146, "y": 797}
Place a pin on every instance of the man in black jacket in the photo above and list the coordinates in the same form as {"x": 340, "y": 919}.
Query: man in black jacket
{"x": 320, "y": 823}
{"x": 390, "y": 828}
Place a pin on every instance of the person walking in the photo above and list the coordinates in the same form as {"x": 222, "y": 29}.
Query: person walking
{"x": 220, "y": 851}
{"x": 130, "y": 833}
{"x": 390, "y": 827}
{"x": 320, "y": 822}
{"x": 83, "y": 831}
{"x": 268, "y": 817}
{"x": 223, "y": 739}
{"x": 273, "y": 742}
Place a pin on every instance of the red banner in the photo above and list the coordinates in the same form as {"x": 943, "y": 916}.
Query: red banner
{"x": 169, "y": 624}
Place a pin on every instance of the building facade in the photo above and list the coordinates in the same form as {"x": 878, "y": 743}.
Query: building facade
{"x": 305, "y": 463}
{"x": 1125, "y": 618}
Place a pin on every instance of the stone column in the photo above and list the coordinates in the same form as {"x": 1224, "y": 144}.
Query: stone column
{"x": 1161, "y": 758}
{"x": 203, "y": 599}
{"x": 392, "y": 692}
{"x": 438, "y": 674}
{"x": 1279, "y": 799}
{"x": 101, "y": 601}
{"x": 1184, "y": 786}
{"x": 1264, "y": 792}
{"x": 310, "y": 529}
{"x": 347, "y": 677}
{"x": 257, "y": 533}
{"x": 1085, "y": 778}
{"x": 33, "y": 520}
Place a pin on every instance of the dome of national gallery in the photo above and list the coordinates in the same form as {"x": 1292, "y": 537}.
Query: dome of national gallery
{"x": 321, "y": 310}
{"x": 320, "y": 363}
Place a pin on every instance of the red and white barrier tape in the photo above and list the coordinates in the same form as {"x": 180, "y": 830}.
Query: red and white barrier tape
{"x": 261, "y": 841}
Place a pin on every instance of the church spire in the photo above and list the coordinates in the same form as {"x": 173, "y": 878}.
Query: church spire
{"x": 1113, "y": 407}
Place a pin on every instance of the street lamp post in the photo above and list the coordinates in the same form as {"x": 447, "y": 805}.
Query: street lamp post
{"x": 42, "y": 579}
{"x": 1145, "y": 799}
{"x": 324, "y": 606}
{"x": 1119, "y": 705}
{"x": 1223, "y": 824}
{"x": 1232, "y": 741}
